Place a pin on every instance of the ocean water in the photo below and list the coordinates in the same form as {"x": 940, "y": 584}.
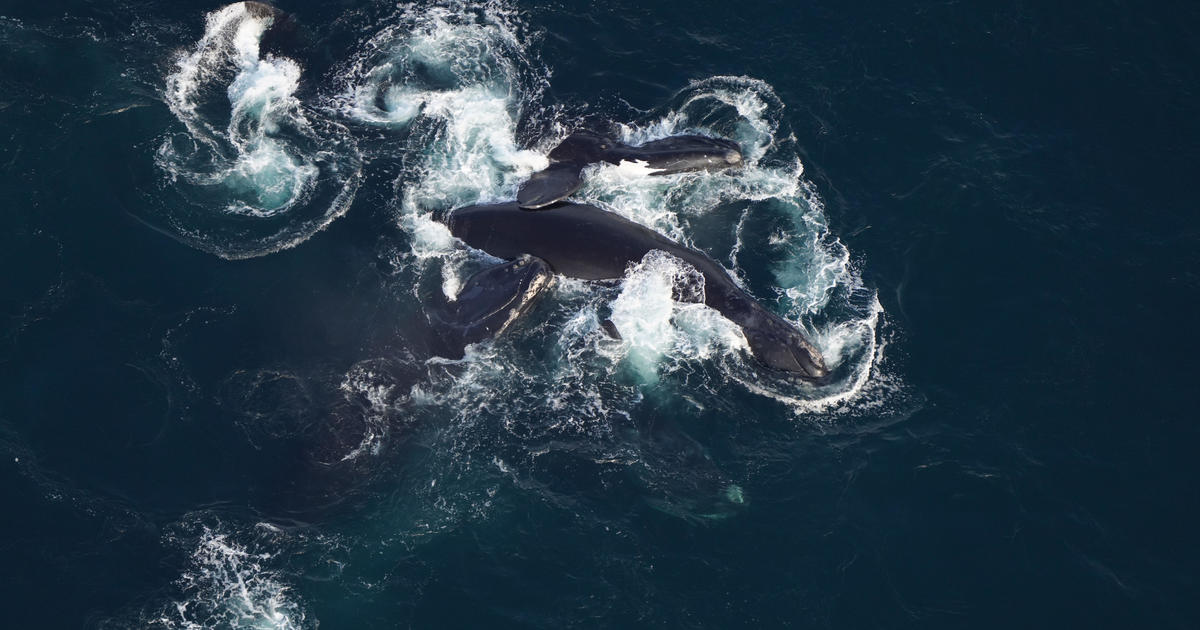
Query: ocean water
{"x": 222, "y": 404}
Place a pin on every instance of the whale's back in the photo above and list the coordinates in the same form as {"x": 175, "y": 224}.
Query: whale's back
{"x": 586, "y": 242}
{"x": 575, "y": 240}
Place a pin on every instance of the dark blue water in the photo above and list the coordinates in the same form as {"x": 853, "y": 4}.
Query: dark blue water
{"x": 221, "y": 405}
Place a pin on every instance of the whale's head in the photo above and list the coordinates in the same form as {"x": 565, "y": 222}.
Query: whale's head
{"x": 778, "y": 345}
{"x": 490, "y": 301}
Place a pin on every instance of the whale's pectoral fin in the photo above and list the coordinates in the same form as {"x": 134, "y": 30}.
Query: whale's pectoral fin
{"x": 491, "y": 300}
{"x": 550, "y": 186}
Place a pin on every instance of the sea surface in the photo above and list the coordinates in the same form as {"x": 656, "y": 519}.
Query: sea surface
{"x": 222, "y": 403}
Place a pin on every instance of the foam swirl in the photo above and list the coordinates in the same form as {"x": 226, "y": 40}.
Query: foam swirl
{"x": 253, "y": 171}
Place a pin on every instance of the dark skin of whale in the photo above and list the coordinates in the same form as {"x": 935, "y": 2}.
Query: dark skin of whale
{"x": 288, "y": 37}
{"x": 489, "y": 302}
{"x": 675, "y": 154}
{"x": 582, "y": 241}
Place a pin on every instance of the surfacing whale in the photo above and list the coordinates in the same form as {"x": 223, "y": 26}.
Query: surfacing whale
{"x": 490, "y": 301}
{"x": 675, "y": 154}
{"x": 582, "y": 241}
{"x": 284, "y": 36}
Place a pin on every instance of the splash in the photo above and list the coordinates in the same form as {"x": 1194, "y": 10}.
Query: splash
{"x": 258, "y": 172}
{"x": 660, "y": 313}
{"x": 232, "y": 584}
{"x": 813, "y": 282}
{"x": 458, "y": 80}
{"x": 456, "y": 93}
{"x": 373, "y": 391}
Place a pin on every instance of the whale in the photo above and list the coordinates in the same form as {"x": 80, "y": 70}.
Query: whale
{"x": 675, "y": 154}
{"x": 586, "y": 242}
{"x": 283, "y": 35}
{"x": 489, "y": 302}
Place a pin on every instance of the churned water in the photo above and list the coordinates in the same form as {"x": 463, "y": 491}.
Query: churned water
{"x": 223, "y": 405}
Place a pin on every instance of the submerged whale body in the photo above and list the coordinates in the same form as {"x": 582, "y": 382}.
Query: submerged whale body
{"x": 490, "y": 301}
{"x": 675, "y": 154}
{"x": 582, "y": 241}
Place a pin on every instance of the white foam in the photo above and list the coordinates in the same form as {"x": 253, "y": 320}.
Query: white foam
{"x": 813, "y": 275}
{"x": 653, "y": 325}
{"x": 268, "y": 173}
{"x": 230, "y": 585}
{"x": 458, "y": 81}
{"x": 453, "y": 76}
{"x": 364, "y": 381}
{"x": 265, "y": 158}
